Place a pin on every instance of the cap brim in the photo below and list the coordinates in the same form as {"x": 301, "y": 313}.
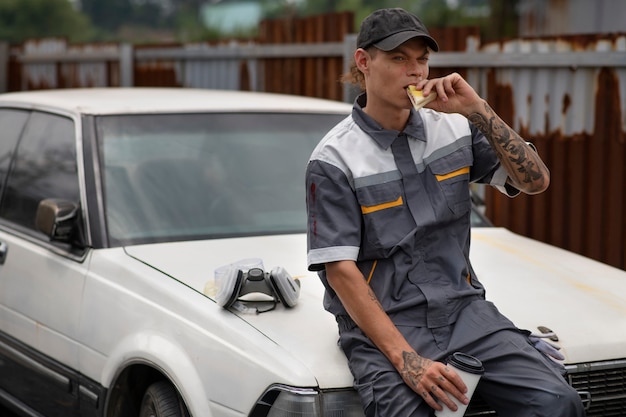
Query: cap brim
{"x": 397, "y": 39}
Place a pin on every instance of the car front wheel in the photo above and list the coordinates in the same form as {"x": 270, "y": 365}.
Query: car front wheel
{"x": 162, "y": 400}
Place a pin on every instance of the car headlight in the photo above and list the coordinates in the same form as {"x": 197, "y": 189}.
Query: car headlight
{"x": 284, "y": 401}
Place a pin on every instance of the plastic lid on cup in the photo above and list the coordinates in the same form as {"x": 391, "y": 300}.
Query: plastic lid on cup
{"x": 466, "y": 363}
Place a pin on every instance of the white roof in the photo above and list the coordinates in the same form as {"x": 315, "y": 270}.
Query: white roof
{"x": 157, "y": 100}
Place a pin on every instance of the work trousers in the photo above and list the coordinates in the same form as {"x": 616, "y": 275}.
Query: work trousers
{"x": 518, "y": 380}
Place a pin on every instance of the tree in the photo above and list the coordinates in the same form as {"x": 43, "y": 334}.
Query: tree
{"x": 431, "y": 12}
{"x": 503, "y": 20}
{"x": 109, "y": 14}
{"x": 497, "y": 19}
{"x": 26, "y": 19}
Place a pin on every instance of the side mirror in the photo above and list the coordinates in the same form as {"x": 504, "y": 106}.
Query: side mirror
{"x": 58, "y": 219}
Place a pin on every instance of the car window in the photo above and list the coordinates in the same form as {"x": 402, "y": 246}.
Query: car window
{"x": 44, "y": 167}
{"x": 174, "y": 177}
{"x": 11, "y": 125}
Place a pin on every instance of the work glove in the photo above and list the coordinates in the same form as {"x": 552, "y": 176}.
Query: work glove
{"x": 538, "y": 340}
{"x": 546, "y": 348}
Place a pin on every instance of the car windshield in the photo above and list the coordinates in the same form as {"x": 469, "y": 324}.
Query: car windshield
{"x": 201, "y": 176}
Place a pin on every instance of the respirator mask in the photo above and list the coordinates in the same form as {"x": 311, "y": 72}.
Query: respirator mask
{"x": 257, "y": 291}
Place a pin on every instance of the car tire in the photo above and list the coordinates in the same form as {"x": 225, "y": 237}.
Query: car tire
{"x": 162, "y": 400}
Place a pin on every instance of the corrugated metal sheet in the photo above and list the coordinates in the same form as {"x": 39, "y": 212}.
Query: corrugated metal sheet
{"x": 88, "y": 65}
{"x": 550, "y": 17}
{"x": 576, "y": 117}
{"x": 42, "y": 75}
{"x": 316, "y": 76}
{"x": 223, "y": 73}
{"x": 292, "y": 56}
{"x": 197, "y": 65}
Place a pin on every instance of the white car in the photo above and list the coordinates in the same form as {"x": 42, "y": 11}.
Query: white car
{"x": 118, "y": 207}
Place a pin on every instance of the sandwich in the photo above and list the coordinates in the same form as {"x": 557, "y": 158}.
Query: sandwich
{"x": 418, "y": 99}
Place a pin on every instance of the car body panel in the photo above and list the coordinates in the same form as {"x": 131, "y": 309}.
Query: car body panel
{"x": 192, "y": 339}
{"x": 520, "y": 276}
{"x": 85, "y": 317}
{"x": 304, "y": 331}
{"x": 43, "y": 307}
{"x": 103, "y": 101}
{"x": 583, "y": 301}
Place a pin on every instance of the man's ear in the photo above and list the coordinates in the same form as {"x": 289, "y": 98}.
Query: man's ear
{"x": 362, "y": 60}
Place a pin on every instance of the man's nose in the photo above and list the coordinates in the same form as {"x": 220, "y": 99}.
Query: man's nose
{"x": 414, "y": 69}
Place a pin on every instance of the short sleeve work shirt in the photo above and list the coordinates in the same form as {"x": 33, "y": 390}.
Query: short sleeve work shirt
{"x": 357, "y": 209}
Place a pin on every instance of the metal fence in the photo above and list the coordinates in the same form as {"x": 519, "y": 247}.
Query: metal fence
{"x": 565, "y": 94}
{"x": 568, "y": 96}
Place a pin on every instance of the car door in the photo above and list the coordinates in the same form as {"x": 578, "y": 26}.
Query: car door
{"x": 41, "y": 283}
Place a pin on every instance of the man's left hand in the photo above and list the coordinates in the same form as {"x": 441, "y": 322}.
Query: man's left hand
{"x": 546, "y": 348}
{"x": 454, "y": 94}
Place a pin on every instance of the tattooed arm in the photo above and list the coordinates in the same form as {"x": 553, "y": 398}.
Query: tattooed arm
{"x": 526, "y": 170}
{"x": 431, "y": 380}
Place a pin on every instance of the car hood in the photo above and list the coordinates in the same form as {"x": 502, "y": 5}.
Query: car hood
{"x": 581, "y": 300}
{"x": 307, "y": 331}
{"x": 534, "y": 284}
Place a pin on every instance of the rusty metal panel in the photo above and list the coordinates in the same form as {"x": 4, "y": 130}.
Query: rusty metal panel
{"x": 151, "y": 69}
{"x": 52, "y": 63}
{"x": 197, "y": 65}
{"x": 315, "y": 76}
{"x": 549, "y": 17}
{"x": 210, "y": 74}
{"x": 44, "y": 74}
{"x": 577, "y": 118}
{"x": 156, "y": 73}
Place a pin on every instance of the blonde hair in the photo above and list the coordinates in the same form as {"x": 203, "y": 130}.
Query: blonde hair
{"x": 354, "y": 75}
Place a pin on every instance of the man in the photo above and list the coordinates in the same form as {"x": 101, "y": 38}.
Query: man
{"x": 391, "y": 238}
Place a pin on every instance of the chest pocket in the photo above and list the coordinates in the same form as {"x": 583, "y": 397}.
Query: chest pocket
{"x": 386, "y": 217}
{"x": 452, "y": 173}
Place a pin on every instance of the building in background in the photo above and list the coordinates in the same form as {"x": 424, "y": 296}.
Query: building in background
{"x": 566, "y": 17}
{"x": 236, "y": 17}
{"x": 230, "y": 17}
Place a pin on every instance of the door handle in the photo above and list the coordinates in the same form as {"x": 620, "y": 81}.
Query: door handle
{"x": 4, "y": 249}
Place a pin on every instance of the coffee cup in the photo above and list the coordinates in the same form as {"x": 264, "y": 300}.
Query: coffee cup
{"x": 470, "y": 370}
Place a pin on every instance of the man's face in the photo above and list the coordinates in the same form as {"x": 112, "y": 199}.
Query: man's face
{"x": 388, "y": 74}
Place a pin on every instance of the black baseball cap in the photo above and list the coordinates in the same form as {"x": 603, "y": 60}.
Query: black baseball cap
{"x": 386, "y": 29}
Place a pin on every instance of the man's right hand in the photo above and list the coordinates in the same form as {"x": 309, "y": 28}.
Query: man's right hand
{"x": 433, "y": 381}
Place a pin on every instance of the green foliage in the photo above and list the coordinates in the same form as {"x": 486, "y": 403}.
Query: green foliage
{"x": 278, "y": 9}
{"x": 498, "y": 21}
{"x": 109, "y": 14}
{"x": 190, "y": 29}
{"x": 27, "y": 19}
{"x": 157, "y": 20}
{"x": 129, "y": 20}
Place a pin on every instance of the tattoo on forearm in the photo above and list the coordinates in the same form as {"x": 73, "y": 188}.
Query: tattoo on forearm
{"x": 375, "y": 299}
{"x": 512, "y": 150}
